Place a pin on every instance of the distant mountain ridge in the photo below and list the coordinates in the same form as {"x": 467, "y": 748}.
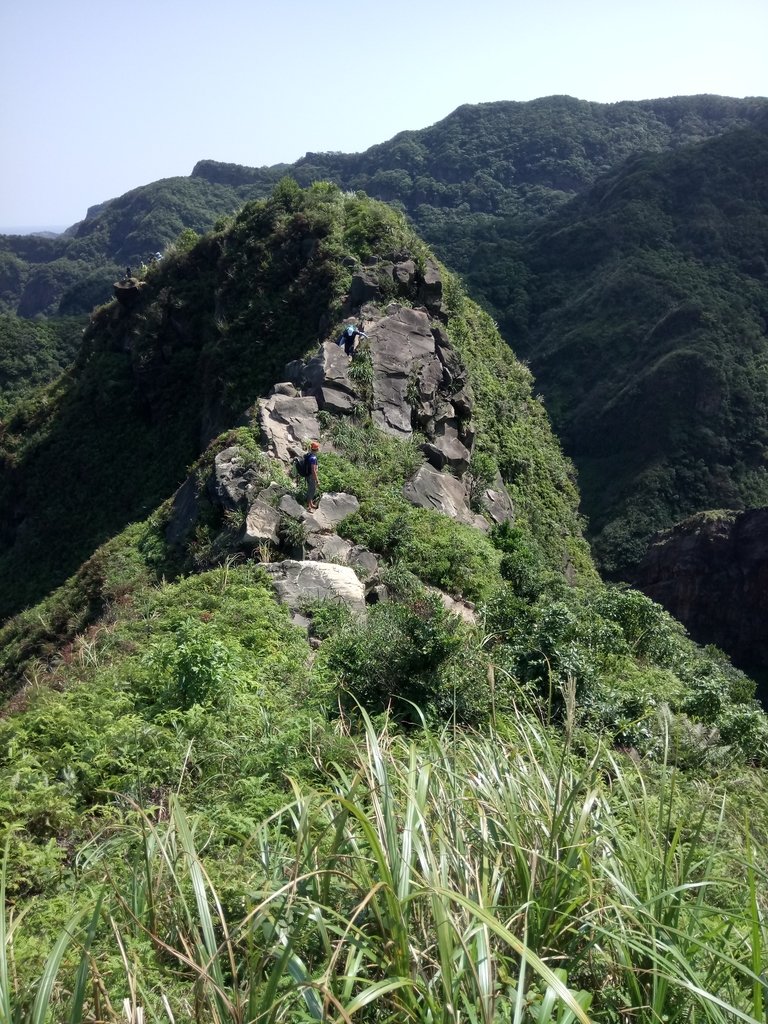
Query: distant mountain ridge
{"x": 468, "y": 178}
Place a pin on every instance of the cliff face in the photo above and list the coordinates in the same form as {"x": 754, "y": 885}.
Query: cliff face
{"x": 711, "y": 572}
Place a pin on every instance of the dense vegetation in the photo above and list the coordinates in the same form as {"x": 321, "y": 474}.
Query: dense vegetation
{"x": 642, "y": 307}
{"x": 470, "y": 178}
{"x": 34, "y": 352}
{"x": 211, "y": 815}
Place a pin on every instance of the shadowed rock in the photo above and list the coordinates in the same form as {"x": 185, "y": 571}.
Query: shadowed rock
{"x": 441, "y": 493}
{"x": 234, "y": 480}
{"x": 711, "y": 573}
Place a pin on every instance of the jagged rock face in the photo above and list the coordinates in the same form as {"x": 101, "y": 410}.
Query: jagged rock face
{"x": 297, "y": 583}
{"x": 712, "y": 574}
{"x": 400, "y": 345}
{"x": 287, "y": 423}
{"x": 326, "y": 376}
{"x": 233, "y": 481}
{"x": 442, "y": 492}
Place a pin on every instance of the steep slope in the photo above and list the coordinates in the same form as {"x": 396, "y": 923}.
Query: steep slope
{"x": 711, "y": 572}
{"x": 642, "y": 308}
{"x": 188, "y": 765}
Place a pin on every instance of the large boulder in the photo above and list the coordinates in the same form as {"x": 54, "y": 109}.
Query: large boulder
{"x": 326, "y": 376}
{"x": 441, "y": 492}
{"x": 261, "y": 524}
{"x": 234, "y": 480}
{"x": 331, "y": 509}
{"x": 297, "y": 583}
{"x": 401, "y": 343}
{"x": 287, "y": 423}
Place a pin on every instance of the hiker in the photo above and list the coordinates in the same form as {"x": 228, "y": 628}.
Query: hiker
{"x": 306, "y": 466}
{"x": 349, "y": 338}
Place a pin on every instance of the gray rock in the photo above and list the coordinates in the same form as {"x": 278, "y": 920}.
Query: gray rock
{"x": 184, "y": 512}
{"x": 290, "y": 507}
{"x": 271, "y": 495}
{"x": 462, "y": 609}
{"x": 233, "y": 481}
{"x": 364, "y": 561}
{"x": 463, "y": 402}
{"x": 297, "y": 583}
{"x": 364, "y": 288}
{"x": 498, "y": 504}
{"x": 431, "y": 290}
{"x": 400, "y": 345}
{"x": 331, "y": 548}
{"x": 338, "y": 402}
{"x": 287, "y": 423}
{"x": 261, "y": 524}
{"x": 455, "y": 454}
{"x": 405, "y": 274}
{"x": 301, "y": 621}
{"x": 284, "y": 388}
{"x": 441, "y": 493}
{"x": 332, "y": 508}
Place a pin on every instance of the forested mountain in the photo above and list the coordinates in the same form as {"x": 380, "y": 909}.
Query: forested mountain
{"x": 620, "y": 247}
{"x": 642, "y": 307}
{"x": 400, "y": 757}
{"x": 471, "y": 177}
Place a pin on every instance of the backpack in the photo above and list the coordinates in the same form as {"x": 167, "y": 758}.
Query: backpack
{"x": 302, "y": 465}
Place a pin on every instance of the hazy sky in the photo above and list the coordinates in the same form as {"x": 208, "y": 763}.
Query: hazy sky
{"x": 98, "y": 98}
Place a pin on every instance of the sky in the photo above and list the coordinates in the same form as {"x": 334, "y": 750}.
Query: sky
{"x": 97, "y": 98}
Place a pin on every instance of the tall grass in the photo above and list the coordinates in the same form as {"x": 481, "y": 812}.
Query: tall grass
{"x": 446, "y": 879}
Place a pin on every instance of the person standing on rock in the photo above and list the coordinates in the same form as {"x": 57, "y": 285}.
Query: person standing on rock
{"x": 311, "y": 462}
{"x": 349, "y": 338}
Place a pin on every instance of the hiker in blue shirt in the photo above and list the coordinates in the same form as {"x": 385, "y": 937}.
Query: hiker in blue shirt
{"x": 348, "y": 338}
{"x": 311, "y": 459}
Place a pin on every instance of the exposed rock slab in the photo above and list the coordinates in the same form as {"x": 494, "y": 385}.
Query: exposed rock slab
{"x": 441, "y": 493}
{"x": 261, "y": 524}
{"x": 287, "y": 423}
{"x": 297, "y": 583}
{"x": 333, "y": 507}
{"x": 401, "y": 344}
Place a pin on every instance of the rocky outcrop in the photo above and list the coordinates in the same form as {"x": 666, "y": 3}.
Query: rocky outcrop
{"x": 298, "y": 583}
{"x": 442, "y": 492}
{"x": 287, "y": 423}
{"x": 234, "y": 480}
{"x": 711, "y": 573}
{"x": 326, "y": 377}
{"x": 333, "y": 507}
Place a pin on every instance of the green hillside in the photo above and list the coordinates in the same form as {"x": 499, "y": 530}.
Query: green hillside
{"x": 496, "y": 790}
{"x": 642, "y": 309}
{"x": 468, "y": 179}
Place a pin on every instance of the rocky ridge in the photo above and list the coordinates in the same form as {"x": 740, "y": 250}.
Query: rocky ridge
{"x": 409, "y": 379}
